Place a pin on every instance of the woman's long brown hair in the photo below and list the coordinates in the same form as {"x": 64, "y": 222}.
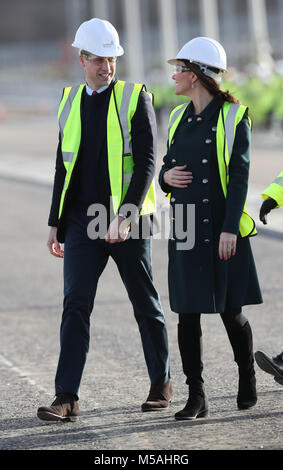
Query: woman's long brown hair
{"x": 211, "y": 85}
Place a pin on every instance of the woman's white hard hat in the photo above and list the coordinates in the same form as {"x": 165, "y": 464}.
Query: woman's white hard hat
{"x": 98, "y": 37}
{"x": 205, "y": 52}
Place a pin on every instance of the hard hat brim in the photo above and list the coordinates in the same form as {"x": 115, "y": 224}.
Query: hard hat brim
{"x": 175, "y": 62}
{"x": 117, "y": 52}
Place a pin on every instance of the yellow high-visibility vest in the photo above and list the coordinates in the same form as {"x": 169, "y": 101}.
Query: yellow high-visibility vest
{"x": 229, "y": 117}
{"x": 275, "y": 190}
{"x": 122, "y": 107}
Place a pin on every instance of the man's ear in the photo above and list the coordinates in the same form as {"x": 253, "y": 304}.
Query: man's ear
{"x": 81, "y": 61}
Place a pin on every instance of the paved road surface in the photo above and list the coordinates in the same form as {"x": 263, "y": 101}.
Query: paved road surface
{"x": 115, "y": 382}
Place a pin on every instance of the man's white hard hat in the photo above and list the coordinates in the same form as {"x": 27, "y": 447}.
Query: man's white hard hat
{"x": 205, "y": 52}
{"x": 98, "y": 37}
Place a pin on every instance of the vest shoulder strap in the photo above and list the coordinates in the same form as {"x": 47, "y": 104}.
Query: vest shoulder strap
{"x": 127, "y": 93}
{"x": 68, "y": 97}
{"x": 174, "y": 120}
{"x": 126, "y": 98}
{"x": 229, "y": 117}
{"x": 176, "y": 112}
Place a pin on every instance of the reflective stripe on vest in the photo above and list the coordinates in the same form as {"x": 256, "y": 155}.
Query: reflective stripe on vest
{"x": 275, "y": 190}
{"x": 122, "y": 107}
{"x": 229, "y": 117}
{"x": 174, "y": 121}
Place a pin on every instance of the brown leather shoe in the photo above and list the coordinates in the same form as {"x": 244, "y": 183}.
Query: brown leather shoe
{"x": 64, "y": 408}
{"x": 159, "y": 398}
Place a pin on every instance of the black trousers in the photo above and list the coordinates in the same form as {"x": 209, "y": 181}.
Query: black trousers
{"x": 190, "y": 342}
{"x": 84, "y": 262}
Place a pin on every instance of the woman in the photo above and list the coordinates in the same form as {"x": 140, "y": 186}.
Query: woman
{"x": 206, "y": 167}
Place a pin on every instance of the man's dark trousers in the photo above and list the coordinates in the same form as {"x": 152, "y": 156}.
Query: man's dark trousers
{"x": 84, "y": 262}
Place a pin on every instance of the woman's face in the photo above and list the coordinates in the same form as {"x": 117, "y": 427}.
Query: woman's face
{"x": 183, "y": 81}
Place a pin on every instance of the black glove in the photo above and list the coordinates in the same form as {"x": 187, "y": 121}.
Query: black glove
{"x": 266, "y": 207}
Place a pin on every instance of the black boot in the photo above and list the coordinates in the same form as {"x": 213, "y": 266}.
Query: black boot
{"x": 241, "y": 340}
{"x": 190, "y": 346}
{"x": 247, "y": 396}
{"x": 196, "y": 406}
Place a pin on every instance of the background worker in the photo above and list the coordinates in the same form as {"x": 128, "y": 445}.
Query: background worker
{"x": 207, "y": 167}
{"x": 106, "y": 155}
{"x": 273, "y": 198}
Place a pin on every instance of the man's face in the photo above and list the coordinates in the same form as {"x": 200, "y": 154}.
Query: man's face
{"x": 99, "y": 71}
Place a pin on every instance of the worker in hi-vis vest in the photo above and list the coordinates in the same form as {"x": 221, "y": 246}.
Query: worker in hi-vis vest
{"x": 102, "y": 205}
{"x": 273, "y": 198}
{"x": 206, "y": 172}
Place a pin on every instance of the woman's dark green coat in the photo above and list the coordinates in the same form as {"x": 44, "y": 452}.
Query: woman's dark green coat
{"x": 199, "y": 281}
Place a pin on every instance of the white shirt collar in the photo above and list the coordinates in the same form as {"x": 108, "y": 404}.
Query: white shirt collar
{"x": 90, "y": 90}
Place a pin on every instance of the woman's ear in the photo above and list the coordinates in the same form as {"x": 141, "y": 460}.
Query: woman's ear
{"x": 194, "y": 78}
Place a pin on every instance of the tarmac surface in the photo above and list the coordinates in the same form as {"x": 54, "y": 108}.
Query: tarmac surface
{"x": 115, "y": 381}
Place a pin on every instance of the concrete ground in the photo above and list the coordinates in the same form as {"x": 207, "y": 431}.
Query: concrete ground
{"x": 115, "y": 381}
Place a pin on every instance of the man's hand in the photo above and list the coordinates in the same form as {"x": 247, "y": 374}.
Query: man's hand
{"x": 227, "y": 245}
{"x": 266, "y": 207}
{"x": 53, "y": 244}
{"x": 178, "y": 177}
{"x": 118, "y": 230}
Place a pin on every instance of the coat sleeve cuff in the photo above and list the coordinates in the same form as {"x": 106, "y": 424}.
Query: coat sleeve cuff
{"x": 165, "y": 187}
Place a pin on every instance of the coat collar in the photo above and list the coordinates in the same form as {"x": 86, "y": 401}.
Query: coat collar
{"x": 209, "y": 111}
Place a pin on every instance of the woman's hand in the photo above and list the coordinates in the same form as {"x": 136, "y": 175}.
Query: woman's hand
{"x": 54, "y": 246}
{"x": 227, "y": 245}
{"x": 177, "y": 177}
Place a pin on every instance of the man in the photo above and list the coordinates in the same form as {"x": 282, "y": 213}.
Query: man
{"x": 273, "y": 197}
{"x": 105, "y": 160}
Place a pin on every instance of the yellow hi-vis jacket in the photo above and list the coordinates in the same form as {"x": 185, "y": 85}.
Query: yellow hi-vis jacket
{"x": 122, "y": 107}
{"x": 275, "y": 190}
{"x": 229, "y": 117}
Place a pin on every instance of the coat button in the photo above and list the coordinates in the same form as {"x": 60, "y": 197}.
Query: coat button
{"x": 173, "y": 160}
{"x": 205, "y": 180}
{"x": 199, "y": 119}
{"x": 204, "y": 161}
{"x": 208, "y": 141}
{"x": 207, "y": 241}
{"x": 214, "y": 129}
{"x": 206, "y": 221}
{"x": 172, "y": 199}
{"x": 190, "y": 119}
{"x": 205, "y": 201}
